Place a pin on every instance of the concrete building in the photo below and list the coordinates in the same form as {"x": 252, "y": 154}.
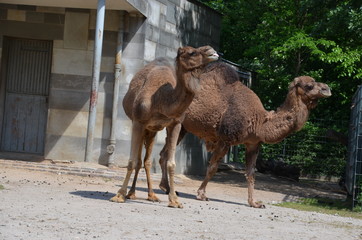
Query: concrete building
{"x": 47, "y": 72}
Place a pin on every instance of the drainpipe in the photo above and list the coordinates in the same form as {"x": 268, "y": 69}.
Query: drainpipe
{"x": 97, "y": 57}
{"x": 117, "y": 78}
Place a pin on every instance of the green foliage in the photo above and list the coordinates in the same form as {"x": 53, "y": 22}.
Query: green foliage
{"x": 324, "y": 205}
{"x": 358, "y": 193}
{"x": 282, "y": 39}
{"x": 326, "y": 51}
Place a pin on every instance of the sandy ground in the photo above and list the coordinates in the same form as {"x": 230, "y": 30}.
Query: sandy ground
{"x": 42, "y": 205}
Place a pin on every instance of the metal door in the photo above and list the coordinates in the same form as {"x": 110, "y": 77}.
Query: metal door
{"x": 26, "y": 95}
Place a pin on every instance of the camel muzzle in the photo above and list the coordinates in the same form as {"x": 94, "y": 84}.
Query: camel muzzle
{"x": 213, "y": 56}
{"x": 325, "y": 92}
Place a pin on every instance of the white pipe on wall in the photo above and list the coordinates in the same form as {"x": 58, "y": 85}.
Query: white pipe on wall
{"x": 97, "y": 58}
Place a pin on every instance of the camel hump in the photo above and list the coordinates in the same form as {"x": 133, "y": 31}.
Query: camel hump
{"x": 162, "y": 61}
{"x": 223, "y": 72}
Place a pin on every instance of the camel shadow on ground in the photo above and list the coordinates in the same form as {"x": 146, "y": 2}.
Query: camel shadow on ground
{"x": 99, "y": 195}
{"x": 264, "y": 182}
{"x": 268, "y": 182}
{"x": 183, "y": 195}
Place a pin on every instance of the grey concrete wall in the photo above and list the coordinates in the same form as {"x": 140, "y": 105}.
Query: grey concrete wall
{"x": 71, "y": 85}
{"x": 170, "y": 25}
{"x": 167, "y": 26}
{"x": 72, "y": 32}
{"x": 176, "y": 23}
{"x": 157, "y": 30}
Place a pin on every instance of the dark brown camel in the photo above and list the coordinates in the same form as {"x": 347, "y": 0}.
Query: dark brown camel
{"x": 227, "y": 113}
{"x": 157, "y": 97}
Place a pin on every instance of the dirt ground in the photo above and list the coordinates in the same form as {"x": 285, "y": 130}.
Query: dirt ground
{"x": 43, "y": 205}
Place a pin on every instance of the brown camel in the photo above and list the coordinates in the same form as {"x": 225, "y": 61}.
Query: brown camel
{"x": 227, "y": 113}
{"x": 157, "y": 97}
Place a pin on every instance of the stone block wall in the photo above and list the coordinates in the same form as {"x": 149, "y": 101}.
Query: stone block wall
{"x": 168, "y": 26}
{"x": 158, "y": 29}
{"x": 176, "y": 23}
{"x": 72, "y": 33}
{"x": 71, "y": 85}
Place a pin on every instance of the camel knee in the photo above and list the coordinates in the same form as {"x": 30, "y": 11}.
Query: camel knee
{"x": 163, "y": 154}
{"x": 213, "y": 168}
{"x": 171, "y": 165}
{"x": 132, "y": 164}
{"x": 148, "y": 164}
{"x": 250, "y": 172}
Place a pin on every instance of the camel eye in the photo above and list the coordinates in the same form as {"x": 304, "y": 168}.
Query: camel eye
{"x": 193, "y": 53}
{"x": 309, "y": 87}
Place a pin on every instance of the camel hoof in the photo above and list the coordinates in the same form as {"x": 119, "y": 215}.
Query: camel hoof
{"x": 118, "y": 199}
{"x": 177, "y": 194}
{"x": 202, "y": 197}
{"x": 165, "y": 189}
{"x": 131, "y": 196}
{"x": 258, "y": 205}
{"x": 153, "y": 198}
{"x": 175, "y": 204}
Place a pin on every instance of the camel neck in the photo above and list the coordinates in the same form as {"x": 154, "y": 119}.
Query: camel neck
{"x": 188, "y": 80}
{"x": 184, "y": 92}
{"x": 288, "y": 118}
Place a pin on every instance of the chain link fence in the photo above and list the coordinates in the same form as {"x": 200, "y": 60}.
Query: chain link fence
{"x": 319, "y": 149}
{"x": 354, "y": 165}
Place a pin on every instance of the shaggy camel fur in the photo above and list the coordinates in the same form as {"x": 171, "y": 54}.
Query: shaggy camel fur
{"x": 227, "y": 113}
{"x": 157, "y": 97}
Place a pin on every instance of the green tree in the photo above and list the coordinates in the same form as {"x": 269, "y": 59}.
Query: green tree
{"x": 282, "y": 39}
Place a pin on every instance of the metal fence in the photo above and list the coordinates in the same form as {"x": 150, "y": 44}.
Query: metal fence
{"x": 354, "y": 165}
{"x": 246, "y": 77}
{"x": 319, "y": 149}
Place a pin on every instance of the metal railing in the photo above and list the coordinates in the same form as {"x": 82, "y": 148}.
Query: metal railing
{"x": 354, "y": 164}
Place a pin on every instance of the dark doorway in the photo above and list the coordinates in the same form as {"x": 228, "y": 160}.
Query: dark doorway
{"x": 27, "y": 68}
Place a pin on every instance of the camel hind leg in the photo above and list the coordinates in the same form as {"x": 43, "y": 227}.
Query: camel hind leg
{"x": 219, "y": 152}
{"x": 135, "y": 158}
{"x": 164, "y": 185}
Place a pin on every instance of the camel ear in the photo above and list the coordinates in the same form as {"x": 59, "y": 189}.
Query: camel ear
{"x": 295, "y": 83}
{"x": 180, "y": 52}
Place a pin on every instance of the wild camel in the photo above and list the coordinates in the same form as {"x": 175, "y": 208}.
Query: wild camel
{"x": 227, "y": 113}
{"x": 157, "y": 97}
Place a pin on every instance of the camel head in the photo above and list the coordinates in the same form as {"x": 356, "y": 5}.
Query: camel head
{"x": 191, "y": 58}
{"x": 309, "y": 90}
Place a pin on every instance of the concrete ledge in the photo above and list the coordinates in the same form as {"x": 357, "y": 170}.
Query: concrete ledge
{"x": 78, "y": 168}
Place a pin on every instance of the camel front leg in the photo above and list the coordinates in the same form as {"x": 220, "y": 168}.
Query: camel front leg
{"x": 251, "y": 155}
{"x": 149, "y": 138}
{"x": 132, "y": 192}
{"x": 135, "y": 158}
{"x": 219, "y": 152}
{"x": 171, "y": 142}
{"x": 149, "y": 142}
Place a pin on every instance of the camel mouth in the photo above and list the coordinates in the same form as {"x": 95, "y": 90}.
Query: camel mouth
{"x": 325, "y": 93}
{"x": 213, "y": 56}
